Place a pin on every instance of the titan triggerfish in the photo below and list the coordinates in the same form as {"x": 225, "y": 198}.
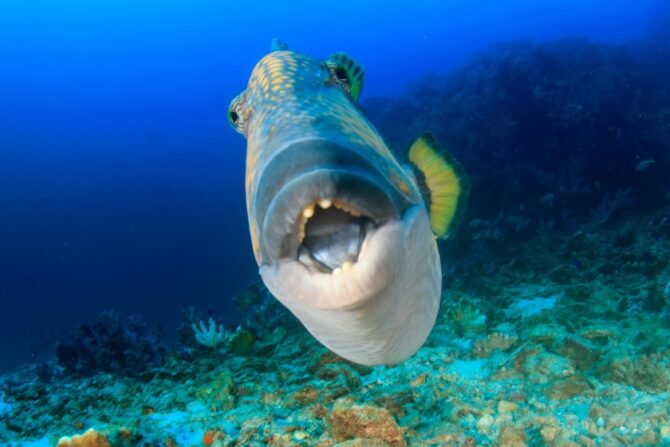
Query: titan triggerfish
{"x": 345, "y": 235}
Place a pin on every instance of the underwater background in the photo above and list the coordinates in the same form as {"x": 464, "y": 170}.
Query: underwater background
{"x": 124, "y": 222}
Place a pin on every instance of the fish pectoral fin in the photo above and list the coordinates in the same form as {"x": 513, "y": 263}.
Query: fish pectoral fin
{"x": 443, "y": 182}
{"x": 348, "y": 72}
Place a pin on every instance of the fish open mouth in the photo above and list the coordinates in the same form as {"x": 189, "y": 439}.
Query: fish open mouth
{"x": 343, "y": 257}
{"x": 332, "y": 236}
{"x": 325, "y": 218}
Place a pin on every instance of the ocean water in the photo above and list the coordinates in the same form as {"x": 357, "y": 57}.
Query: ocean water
{"x": 130, "y": 297}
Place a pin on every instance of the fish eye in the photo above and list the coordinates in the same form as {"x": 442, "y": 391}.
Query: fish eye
{"x": 345, "y": 72}
{"x": 235, "y": 115}
{"x": 341, "y": 75}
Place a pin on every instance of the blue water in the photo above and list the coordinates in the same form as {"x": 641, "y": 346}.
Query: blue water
{"x": 121, "y": 183}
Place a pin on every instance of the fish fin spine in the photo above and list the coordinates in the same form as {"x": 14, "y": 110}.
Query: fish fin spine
{"x": 278, "y": 45}
{"x": 443, "y": 183}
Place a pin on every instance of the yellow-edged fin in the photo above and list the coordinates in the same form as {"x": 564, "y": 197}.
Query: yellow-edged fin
{"x": 443, "y": 182}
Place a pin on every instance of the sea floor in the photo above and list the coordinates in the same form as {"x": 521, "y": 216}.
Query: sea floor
{"x": 567, "y": 344}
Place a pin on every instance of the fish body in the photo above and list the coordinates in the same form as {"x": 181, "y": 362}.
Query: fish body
{"x": 644, "y": 164}
{"x": 340, "y": 229}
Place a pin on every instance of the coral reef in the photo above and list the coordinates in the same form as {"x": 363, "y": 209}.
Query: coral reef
{"x": 576, "y": 358}
{"x": 560, "y": 126}
{"x": 209, "y": 335}
{"x": 241, "y": 342}
{"x": 554, "y": 326}
{"x": 113, "y": 344}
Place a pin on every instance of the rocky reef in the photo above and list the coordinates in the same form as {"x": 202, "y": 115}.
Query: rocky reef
{"x": 565, "y": 345}
{"x": 547, "y": 132}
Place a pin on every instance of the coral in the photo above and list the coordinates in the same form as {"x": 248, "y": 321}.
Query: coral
{"x": 185, "y": 333}
{"x": 496, "y": 341}
{"x": 214, "y": 438}
{"x": 209, "y": 335}
{"x": 545, "y": 367}
{"x": 511, "y": 436}
{"x": 645, "y": 373}
{"x": 90, "y": 438}
{"x": 568, "y": 388}
{"x": 241, "y": 342}
{"x": 583, "y": 355}
{"x": 208, "y": 438}
{"x": 111, "y": 344}
{"x": 218, "y": 391}
{"x": 466, "y": 319}
{"x": 365, "y": 421}
{"x": 305, "y": 396}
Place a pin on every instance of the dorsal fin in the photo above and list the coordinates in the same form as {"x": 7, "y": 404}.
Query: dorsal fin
{"x": 278, "y": 45}
{"x": 443, "y": 183}
{"x": 350, "y": 71}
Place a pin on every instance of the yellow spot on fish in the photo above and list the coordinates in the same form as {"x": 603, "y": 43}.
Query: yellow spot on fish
{"x": 255, "y": 243}
{"x": 402, "y": 186}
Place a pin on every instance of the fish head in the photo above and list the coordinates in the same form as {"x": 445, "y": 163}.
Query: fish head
{"x": 338, "y": 227}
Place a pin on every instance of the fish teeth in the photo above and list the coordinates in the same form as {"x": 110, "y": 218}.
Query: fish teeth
{"x": 346, "y": 207}
{"x": 347, "y": 266}
{"x": 302, "y": 221}
{"x": 337, "y": 271}
{"x": 308, "y": 212}
{"x": 325, "y": 203}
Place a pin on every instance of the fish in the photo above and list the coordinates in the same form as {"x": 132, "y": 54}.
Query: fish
{"x": 344, "y": 234}
{"x": 644, "y": 164}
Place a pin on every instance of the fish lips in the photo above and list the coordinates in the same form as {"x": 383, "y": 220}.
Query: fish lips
{"x": 367, "y": 279}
